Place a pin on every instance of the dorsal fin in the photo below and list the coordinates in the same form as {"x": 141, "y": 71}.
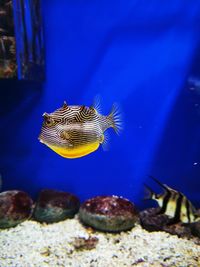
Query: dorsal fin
{"x": 164, "y": 186}
{"x": 149, "y": 191}
{"x": 84, "y": 109}
{"x": 97, "y": 104}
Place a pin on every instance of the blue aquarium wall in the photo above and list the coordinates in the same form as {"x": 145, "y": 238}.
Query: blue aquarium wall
{"x": 136, "y": 53}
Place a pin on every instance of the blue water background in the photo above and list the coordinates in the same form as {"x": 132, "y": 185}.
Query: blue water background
{"x": 136, "y": 53}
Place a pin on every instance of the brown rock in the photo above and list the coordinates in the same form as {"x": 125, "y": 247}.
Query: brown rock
{"x": 108, "y": 213}
{"x": 195, "y": 229}
{"x": 54, "y": 206}
{"x": 15, "y": 207}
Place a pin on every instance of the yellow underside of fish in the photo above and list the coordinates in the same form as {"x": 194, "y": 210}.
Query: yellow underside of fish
{"x": 75, "y": 152}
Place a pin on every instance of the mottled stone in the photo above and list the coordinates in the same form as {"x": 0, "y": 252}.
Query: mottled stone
{"x": 54, "y": 206}
{"x": 82, "y": 243}
{"x": 15, "y": 207}
{"x": 108, "y": 213}
{"x": 195, "y": 229}
{"x": 152, "y": 221}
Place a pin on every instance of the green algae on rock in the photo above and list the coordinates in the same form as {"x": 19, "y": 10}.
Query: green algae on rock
{"x": 15, "y": 207}
{"x": 54, "y": 206}
{"x": 108, "y": 213}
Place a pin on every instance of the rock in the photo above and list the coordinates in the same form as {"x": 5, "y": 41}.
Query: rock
{"x": 195, "y": 229}
{"x": 54, "y": 206}
{"x": 151, "y": 221}
{"x": 108, "y": 213}
{"x": 15, "y": 207}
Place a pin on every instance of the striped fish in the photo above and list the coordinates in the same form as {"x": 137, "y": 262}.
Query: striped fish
{"x": 174, "y": 204}
{"x": 75, "y": 131}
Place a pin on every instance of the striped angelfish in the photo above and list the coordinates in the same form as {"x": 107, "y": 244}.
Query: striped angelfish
{"x": 75, "y": 131}
{"x": 174, "y": 204}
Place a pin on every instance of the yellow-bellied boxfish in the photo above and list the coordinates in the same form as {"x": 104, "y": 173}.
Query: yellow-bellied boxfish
{"x": 174, "y": 204}
{"x": 75, "y": 131}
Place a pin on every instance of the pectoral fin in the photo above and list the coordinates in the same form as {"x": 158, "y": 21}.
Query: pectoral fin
{"x": 105, "y": 141}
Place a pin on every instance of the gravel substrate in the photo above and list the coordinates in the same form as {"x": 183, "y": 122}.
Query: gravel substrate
{"x": 32, "y": 244}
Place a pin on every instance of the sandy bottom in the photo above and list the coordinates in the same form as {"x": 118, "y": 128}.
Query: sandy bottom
{"x": 33, "y": 244}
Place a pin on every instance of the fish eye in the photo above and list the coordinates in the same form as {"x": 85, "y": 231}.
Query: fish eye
{"x": 49, "y": 122}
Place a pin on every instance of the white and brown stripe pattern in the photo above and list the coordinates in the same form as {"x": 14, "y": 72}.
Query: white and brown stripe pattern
{"x": 75, "y": 126}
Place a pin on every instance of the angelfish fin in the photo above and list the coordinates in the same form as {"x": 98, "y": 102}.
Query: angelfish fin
{"x": 115, "y": 118}
{"x": 105, "y": 144}
{"x": 164, "y": 186}
{"x": 149, "y": 194}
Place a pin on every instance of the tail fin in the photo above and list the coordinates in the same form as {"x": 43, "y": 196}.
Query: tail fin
{"x": 149, "y": 191}
{"x": 115, "y": 118}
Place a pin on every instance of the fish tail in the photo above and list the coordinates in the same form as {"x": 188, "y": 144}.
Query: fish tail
{"x": 115, "y": 118}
